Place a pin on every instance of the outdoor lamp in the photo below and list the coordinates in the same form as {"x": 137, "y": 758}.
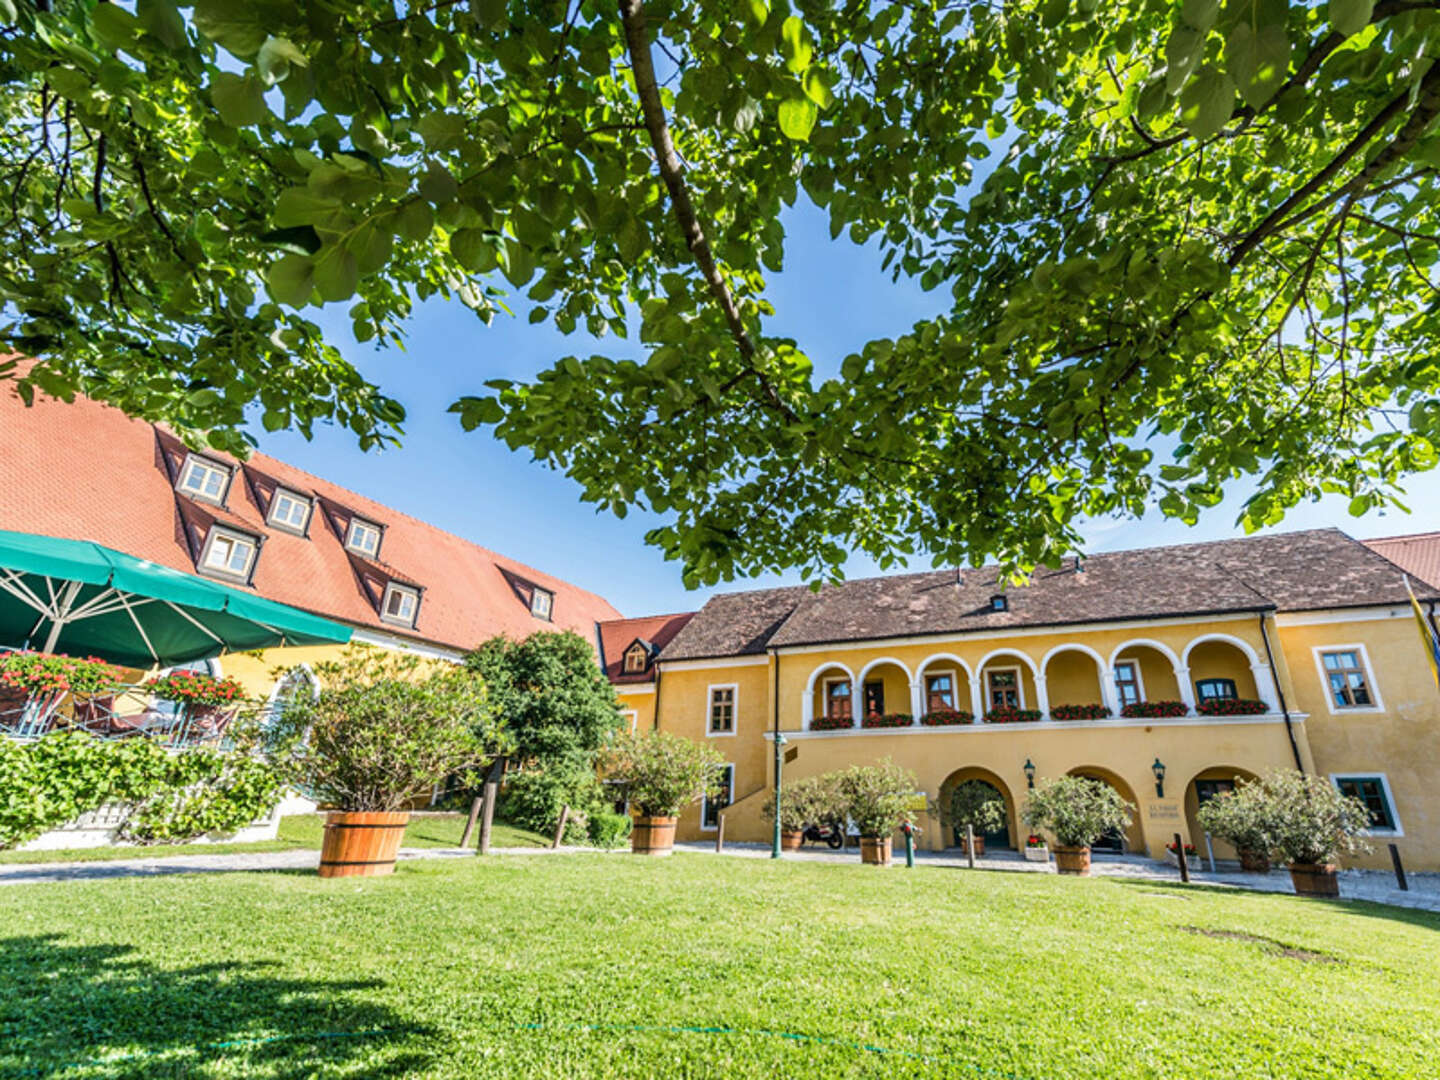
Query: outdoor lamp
{"x": 1159, "y": 770}
{"x": 1029, "y": 773}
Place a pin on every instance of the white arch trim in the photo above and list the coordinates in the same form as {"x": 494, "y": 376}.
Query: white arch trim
{"x": 309, "y": 673}
{"x": 1243, "y": 646}
{"x": 1075, "y": 646}
{"x": 944, "y": 657}
{"x": 1034, "y": 671}
{"x": 860, "y": 679}
{"x": 1148, "y": 643}
{"x": 822, "y": 669}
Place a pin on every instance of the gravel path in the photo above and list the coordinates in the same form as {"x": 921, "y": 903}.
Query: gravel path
{"x": 1376, "y": 885}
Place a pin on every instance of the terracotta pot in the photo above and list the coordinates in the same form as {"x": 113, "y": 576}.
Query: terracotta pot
{"x": 1254, "y": 862}
{"x": 1315, "y": 879}
{"x": 791, "y": 841}
{"x": 653, "y": 836}
{"x": 1072, "y": 860}
{"x": 979, "y": 845}
{"x": 875, "y": 850}
{"x": 361, "y": 845}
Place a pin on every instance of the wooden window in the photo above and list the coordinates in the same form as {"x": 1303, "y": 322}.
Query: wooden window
{"x": 1374, "y": 792}
{"x": 710, "y": 808}
{"x": 636, "y": 659}
{"x": 542, "y": 602}
{"x": 874, "y": 697}
{"x": 939, "y": 692}
{"x": 228, "y": 553}
{"x": 363, "y": 538}
{"x": 400, "y": 604}
{"x": 1348, "y": 681}
{"x": 1127, "y": 683}
{"x": 204, "y": 479}
{"x": 722, "y": 710}
{"x": 1003, "y": 687}
{"x": 1216, "y": 689}
{"x": 289, "y": 511}
{"x": 837, "y": 699}
{"x": 1205, "y": 790}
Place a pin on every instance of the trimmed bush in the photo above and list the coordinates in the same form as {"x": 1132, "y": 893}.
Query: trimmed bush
{"x": 607, "y": 829}
{"x": 662, "y": 773}
{"x": 1076, "y": 810}
{"x": 533, "y": 798}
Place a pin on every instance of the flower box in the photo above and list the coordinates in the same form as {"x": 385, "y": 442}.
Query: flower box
{"x": 1008, "y": 714}
{"x": 196, "y": 690}
{"x": 1079, "y": 712}
{"x": 888, "y": 720}
{"x": 831, "y": 723}
{"x": 1156, "y": 709}
{"x": 1231, "y": 707}
{"x": 947, "y": 718}
{"x": 1035, "y": 850}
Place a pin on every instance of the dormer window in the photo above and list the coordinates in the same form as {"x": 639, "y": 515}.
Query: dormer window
{"x": 363, "y": 538}
{"x": 204, "y": 479}
{"x": 289, "y": 511}
{"x": 229, "y": 554}
{"x": 541, "y": 603}
{"x": 999, "y": 602}
{"x": 637, "y": 658}
{"x": 400, "y": 604}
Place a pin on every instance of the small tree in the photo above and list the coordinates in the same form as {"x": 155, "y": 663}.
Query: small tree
{"x": 1241, "y": 818}
{"x": 1312, "y": 822}
{"x": 811, "y": 800}
{"x": 1076, "y": 810}
{"x": 385, "y": 728}
{"x": 878, "y": 798}
{"x": 978, "y": 805}
{"x": 661, "y": 773}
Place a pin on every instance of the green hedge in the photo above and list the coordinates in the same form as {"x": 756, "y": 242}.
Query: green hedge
{"x": 171, "y": 797}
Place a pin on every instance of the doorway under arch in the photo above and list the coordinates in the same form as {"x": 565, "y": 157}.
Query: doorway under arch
{"x": 1132, "y": 837}
{"x": 1000, "y": 838}
{"x": 1205, "y": 785}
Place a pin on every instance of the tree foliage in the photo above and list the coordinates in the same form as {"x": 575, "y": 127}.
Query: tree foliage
{"x": 1173, "y": 245}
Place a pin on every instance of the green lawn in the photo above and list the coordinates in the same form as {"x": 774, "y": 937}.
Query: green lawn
{"x": 610, "y": 966}
{"x": 296, "y": 831}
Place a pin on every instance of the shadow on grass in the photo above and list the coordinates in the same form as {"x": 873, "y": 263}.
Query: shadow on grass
{"x": 93, "y": 1010}
{"x": 1430, "y": 920}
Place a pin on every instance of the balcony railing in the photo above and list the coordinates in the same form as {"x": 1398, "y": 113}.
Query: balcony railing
{"x": 128, "y": 712}
{"x": 1060, "y": 715}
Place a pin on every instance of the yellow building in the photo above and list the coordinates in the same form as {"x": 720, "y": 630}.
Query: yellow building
{"x": 1296, "y": 650}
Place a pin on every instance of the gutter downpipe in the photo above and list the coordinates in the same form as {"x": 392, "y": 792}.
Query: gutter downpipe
{"x": 779, "y": 748}
{"x": 655, "y": 723}
{"x": 1280, "y": 695}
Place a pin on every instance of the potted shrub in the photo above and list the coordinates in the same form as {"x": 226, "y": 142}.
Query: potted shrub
{"x": 1242, "y": 820}
{"x": 979, "y": 806}
{"x": 1011, "y": 714}
{"x": 1076, "y": 809}
{"x": 808, "y": 801}
{"x": 1079, "y": 712}
{"x": 878, "y": 799}
{"x": 661, "y": 774}
{"x": 1313, "y": 825}
{"x": 1035, "y": 849}
{"x": 1165, "y": 709}
{"x": 947, "y": 718}
{"x": 384, "y": 729}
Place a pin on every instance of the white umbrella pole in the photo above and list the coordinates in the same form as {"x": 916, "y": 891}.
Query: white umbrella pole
{"x": 62, "y": 610}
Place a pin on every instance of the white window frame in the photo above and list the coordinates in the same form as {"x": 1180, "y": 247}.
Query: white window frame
{"x": 363, "y": 523}
{"x": 1019, "y": 685}
{"x": 644, "y": 653}
{"x": 729, "y": 767}
{"x": 194, "y": 461}
{"x": 1368, "y": 774}
{"x": 734, "y": 689}
{"x": 1376, "y": 704}
{"x": 549, "y": 613}
{"x": 394, "y": 588}
{"x": 1139, "y": 680}
{"x": 633, "y": 715}
{"x": 954, "y": 673}
{"x": 218, "y": 532}
{"x": 273, "y": 517}
{"x": 831, "y": 680}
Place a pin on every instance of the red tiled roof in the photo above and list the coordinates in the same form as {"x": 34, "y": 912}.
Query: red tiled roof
{"x": 1418, "y": 554}
{"x": 86, "y": 471}
{"x": 616, "y": 636}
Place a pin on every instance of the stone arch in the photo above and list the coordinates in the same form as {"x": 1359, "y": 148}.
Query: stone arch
{"x": 1014, "y": 835}
{"x": 1102, "y": 680}
{"x": 1191, "y": 805}
{"x": 1214, "y": 655}
{"x": 965, "y": 696}
{"x": 1244, "y": 646}
{"x": 1160, "y": 679}
{"x": 1032, "y": 690}
{"x": 1133, "y": 835}
{"x": 808, "y": 710}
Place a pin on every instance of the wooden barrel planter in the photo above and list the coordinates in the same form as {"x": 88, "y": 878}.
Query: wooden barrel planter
{"x": 1072, "y": 860}
{"x": 1254, "y": 862}
{"x": 653, "y": 836}
{"x": 979, "y": 845}
{"x": 361, "y": 845}
{"x": 1315, "y": 879}
{"x": 875, "y": 850}
{"x": 791, "y": 840}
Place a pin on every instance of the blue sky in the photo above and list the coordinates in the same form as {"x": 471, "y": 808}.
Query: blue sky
{"x": 831, "y": 298}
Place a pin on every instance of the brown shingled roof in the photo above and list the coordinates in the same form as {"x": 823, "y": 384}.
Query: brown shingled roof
{"x": 1417, "y": 554}
{"x": 85, "y": 471}
{"x": 1316, "y": 569}
{"x": 617, "y": 635}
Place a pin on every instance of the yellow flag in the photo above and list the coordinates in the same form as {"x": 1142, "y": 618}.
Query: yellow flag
{"x": 1427, "y": 636}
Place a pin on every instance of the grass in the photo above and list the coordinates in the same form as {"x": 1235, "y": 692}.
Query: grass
{"x": 297, "y": 831}
{"x": 591, "y": 966}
